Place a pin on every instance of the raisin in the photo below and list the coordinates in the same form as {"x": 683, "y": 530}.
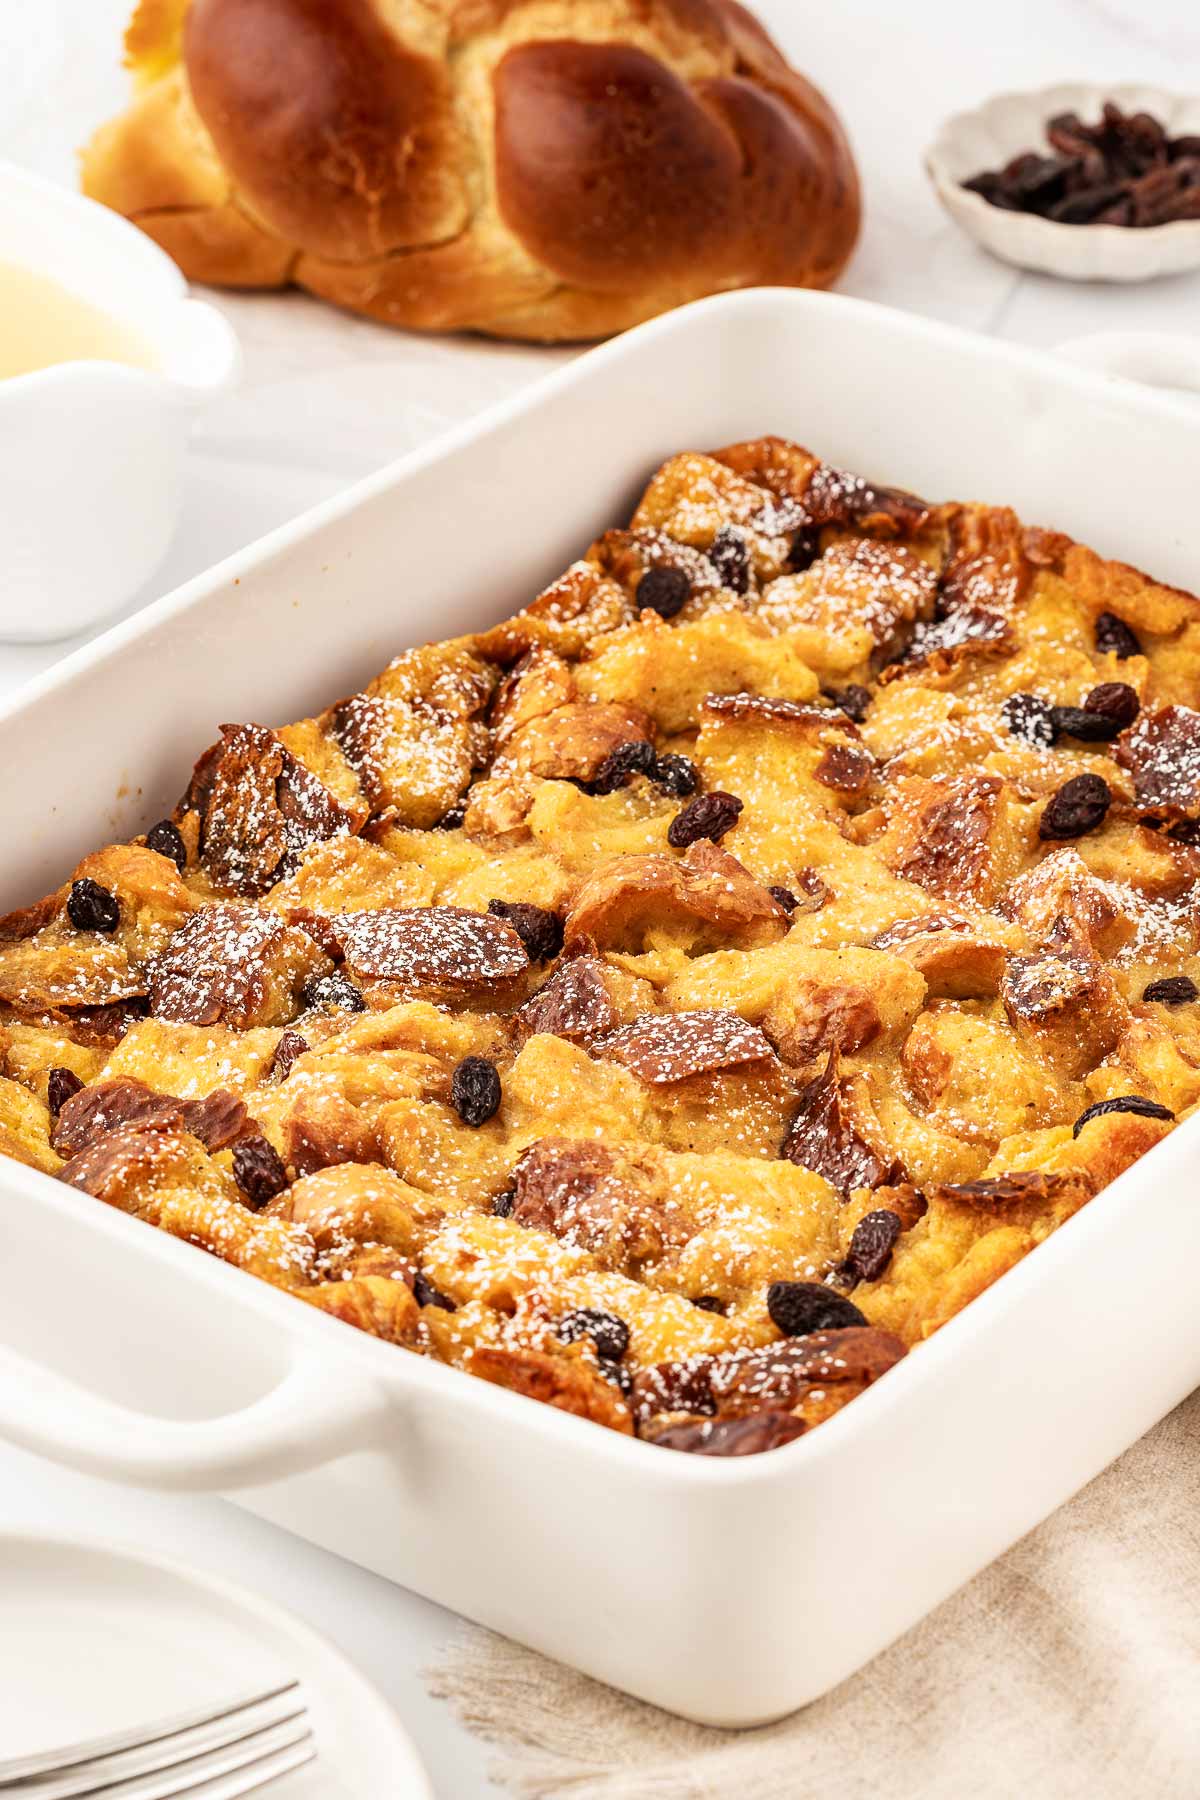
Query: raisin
{"x": 871, "y": 1245}
{"x": 1032, "y": 718}
{"x": 853, "y": 700}
{"x": 846, "y": 768}
{"x": 618, "y": 1374}
{"x": 1114, "y": 700}
{"x": 259, "y": 1172}
{"x": 990, "y": 187}
{"x": 799, "y": 1307}
{"x": 1172, "y": 990}
{"x": 288, "y": 1050}
{"x": 677, "y": 775}
{"x": 707, "y": 816}
{"x": 1130, "y": 1103}
{"x": 165, "y": 840}
{"x": 1078, "y": 807}
{"x": 634, "y": 757}
{"x": 1083, "y": 207}
{"x": 1125, "y": 170}
{"x": 503, "y": 1203}
{"x": 1088, "y": 727}
{"x": 806, "y": 547}
{"x": 664, "y": 590}
{"x": 475, "y": 1090}
{"x": 609, "y": 1334}
{"x": 539, "y": 929}
{"x": 336, "y": 990}
{"x": 710, "y": 1303}
{"x": 91, "y": 907}
{"x": 729, "y": 555}
{"x": 450, "y": 821}
{"x": 425, "y": 1294}
{"x": 61, "y": 1084}
{"x": 1035, "y": 181}
{"x": 1113, "y": 634}
{"x": 784, "y": 897}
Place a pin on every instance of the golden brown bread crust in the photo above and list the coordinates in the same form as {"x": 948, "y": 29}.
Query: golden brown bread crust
{"x": 339, "y": 137}
{"x": 508, "y": 166}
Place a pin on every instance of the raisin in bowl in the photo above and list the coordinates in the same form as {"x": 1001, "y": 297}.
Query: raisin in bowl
{"x": 990, "y": 136}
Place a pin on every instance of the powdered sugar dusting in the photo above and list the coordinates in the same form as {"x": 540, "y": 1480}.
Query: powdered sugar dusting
{"x": 217, "y": 965}
{"x": 441, "y": 945}
{"x": 665, "y": 1047}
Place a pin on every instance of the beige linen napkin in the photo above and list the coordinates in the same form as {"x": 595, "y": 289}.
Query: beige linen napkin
{"x": 1069, "y": 1670}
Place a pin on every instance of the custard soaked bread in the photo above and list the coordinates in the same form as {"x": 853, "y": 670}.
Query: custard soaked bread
{"x": 677, "y": 1001}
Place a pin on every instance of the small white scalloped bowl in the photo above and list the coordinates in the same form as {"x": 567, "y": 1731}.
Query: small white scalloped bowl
{"x": 994, "y": 133}
{"x": 91, "y": 451}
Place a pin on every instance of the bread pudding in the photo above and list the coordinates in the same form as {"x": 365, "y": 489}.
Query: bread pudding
{"x": 674, "y": 1002}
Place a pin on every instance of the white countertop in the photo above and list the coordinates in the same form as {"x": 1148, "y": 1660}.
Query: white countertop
{"x": 327, "y": 399}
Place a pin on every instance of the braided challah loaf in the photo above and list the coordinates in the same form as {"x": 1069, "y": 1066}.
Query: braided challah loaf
{"x": 544, "y": 169}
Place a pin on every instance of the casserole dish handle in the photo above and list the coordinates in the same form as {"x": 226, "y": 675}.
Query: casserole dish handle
{"x": 1164, "y": 359}
{"x": 313, "y": 1414}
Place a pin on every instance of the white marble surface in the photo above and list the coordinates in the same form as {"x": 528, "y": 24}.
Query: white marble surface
{"x": 328, "y": 398}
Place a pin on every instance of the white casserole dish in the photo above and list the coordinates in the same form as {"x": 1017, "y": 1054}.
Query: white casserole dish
{"x": 731, "y": 1592}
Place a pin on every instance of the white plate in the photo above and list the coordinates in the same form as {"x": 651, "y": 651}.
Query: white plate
{"x": 96, "y": 1638}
